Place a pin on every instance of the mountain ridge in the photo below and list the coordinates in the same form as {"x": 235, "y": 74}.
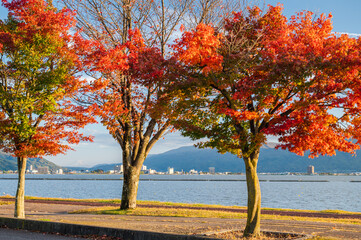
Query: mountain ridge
{"x": 271, "y": 161}
{"x": 8, "y": 162}
{"x": 189, "y": 157}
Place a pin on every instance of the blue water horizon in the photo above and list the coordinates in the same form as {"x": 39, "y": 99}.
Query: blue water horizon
{"x": 305, "y": 192}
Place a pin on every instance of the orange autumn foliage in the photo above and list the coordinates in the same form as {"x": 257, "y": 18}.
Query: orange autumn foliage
{"x": 199, "y": 48}
{"x": 126, "y": 91}
{"x": 293, "y": 79}
{"x": 39, "y": 59}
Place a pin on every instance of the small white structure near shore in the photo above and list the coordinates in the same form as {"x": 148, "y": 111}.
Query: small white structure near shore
{"x": 170, "y": 170}
{"x": 192, "y": 171}
{"x": 118, "y": 169}
{"x": 311, "y": 170}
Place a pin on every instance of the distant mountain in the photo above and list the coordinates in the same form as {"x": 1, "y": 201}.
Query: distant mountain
{"x": 75, "y": 168}
{"x": 104, "y": 167}
{"x": 8, "y": 162}
{"x": 271, "y": 160}
{"x": 187, "y": 158}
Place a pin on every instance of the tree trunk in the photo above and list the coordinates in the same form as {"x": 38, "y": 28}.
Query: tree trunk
{"x": 19, "y": 201}
{"x": 253, "y": 227}
{"x": 130, "y": 187}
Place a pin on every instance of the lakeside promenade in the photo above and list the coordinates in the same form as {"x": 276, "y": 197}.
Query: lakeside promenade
{"x": 11, "y": 234}
{"x": 177, "y": 225}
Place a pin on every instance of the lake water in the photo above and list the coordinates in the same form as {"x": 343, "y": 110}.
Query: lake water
{"x": 278, "y": 191}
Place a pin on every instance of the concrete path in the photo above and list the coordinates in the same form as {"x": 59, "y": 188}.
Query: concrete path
{"x": 179, "y": 225}
{"x": 10, "y": 234}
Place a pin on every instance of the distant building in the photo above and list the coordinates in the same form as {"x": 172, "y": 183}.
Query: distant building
{"x": 310, "y": 169}
{"x": 32, "y": 170}
{"x": 43, "y": 170}
{"x": 192, "y": 171}
{"x": 118, "y": 169}
{"x": 212, "y": 170}
{"x": 170, "y": 170}
{"x": 59, "y": 171}
{"x": 144, "y": 168}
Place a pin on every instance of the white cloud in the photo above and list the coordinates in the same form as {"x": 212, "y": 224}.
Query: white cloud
{"x": 350, "y": 34}
{"x": 171, "y": 141}
{"x": 105, "y": 149}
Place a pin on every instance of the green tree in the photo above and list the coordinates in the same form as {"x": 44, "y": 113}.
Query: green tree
{"x": 38, "y": 60}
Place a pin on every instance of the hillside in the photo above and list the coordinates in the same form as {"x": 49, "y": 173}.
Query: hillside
{"x": 7, "y": 162}
{"x": 187, "y": 158}
{"x": 271, "y": 161}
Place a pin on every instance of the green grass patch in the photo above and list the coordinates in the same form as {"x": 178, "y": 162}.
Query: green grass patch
{"x": 5, "y": 202}
{"x": 44, "y": 219}
{"x": 338, "y": 212}
{"x": 74, "y": 200}
{"x": 189, "y": 205}
{"x": 118, "y": 201}
{"x": 200, "y": 213}
{"x": 163, "y": 212}
{"x": 188, "y": 210}
{"x": 312, "y": 211}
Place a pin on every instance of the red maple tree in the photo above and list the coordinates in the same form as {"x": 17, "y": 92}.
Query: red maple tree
{"x": 126, "y": 98}
{"x": 266, "y": 75}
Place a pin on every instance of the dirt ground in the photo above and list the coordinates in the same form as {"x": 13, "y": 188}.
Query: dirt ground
{"x": 51, "y": 211}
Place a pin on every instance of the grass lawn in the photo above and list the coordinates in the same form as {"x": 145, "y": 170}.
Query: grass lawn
{"x": 176, "y": 212}
{"x": 154, "y": 208}
{"x": 168, "y": 209}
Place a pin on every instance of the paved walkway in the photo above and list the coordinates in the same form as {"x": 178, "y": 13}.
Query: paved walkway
{"x": 179, "y": 225}
{"x": 10, "y": 234}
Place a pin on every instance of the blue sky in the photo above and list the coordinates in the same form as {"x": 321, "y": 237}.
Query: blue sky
{"x": 346, "y": 13}
{"x": 346, "y": 19}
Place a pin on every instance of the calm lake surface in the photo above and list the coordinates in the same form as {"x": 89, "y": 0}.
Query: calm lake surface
{"x": 278, "y": 191}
